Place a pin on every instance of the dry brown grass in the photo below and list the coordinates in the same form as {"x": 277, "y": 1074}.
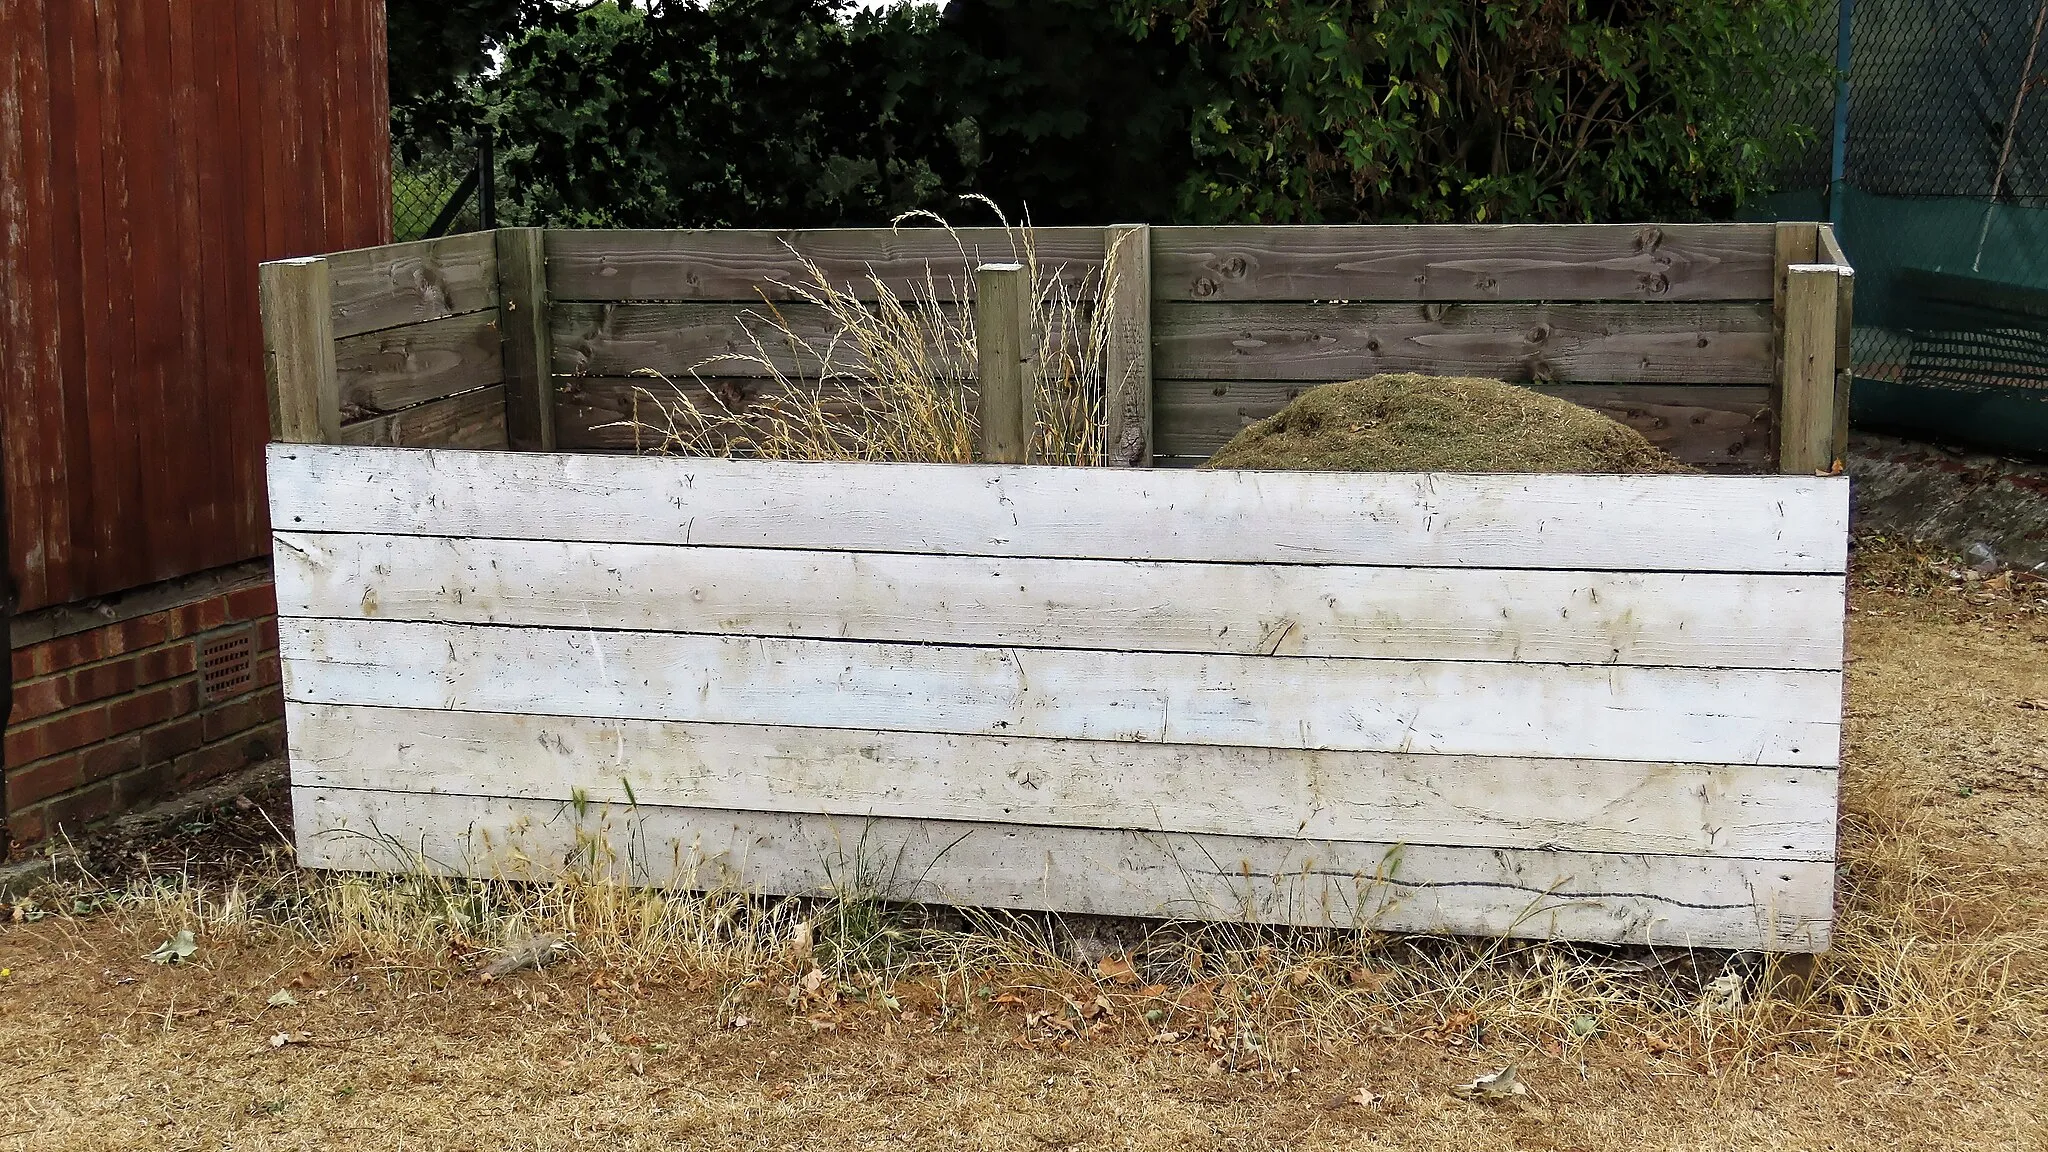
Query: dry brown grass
{"x": 715, "y": 1022}
{"x": 894, "y": 377}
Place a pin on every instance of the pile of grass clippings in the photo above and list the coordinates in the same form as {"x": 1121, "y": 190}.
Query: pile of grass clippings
{"x": 1414, "y": 423}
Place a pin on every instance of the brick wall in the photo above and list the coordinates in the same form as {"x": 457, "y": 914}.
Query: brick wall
{"x": 110, "y": 717}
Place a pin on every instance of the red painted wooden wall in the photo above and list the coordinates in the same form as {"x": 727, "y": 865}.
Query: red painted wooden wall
{"x": 152, "y": 152}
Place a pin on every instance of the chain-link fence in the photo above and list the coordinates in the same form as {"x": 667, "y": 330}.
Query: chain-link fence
{"x": 1932, "y": 163}
{"x": 441, "y": 186}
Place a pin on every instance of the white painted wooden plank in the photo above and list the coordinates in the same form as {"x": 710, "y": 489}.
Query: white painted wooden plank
{"x": 1693, "y": 715}
{"x": 1625, "y": 523}
{"x": 1710, "y": 620}
{"x": 1472, "y": 801}
{"x": 1662, "y": 900}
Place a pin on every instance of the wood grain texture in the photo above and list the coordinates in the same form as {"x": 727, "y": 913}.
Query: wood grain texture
{"x": 1006, "y": 362}
{"x": 1467, "y": 801}
{"x": 473, "y": 420}
{"x": 1127, "y": 361}
{"x": 1649, "y": 262}
{"x": 1661, "y": 900}
{"x": 1806, "y": 422}
{"x": 728, "y": 340}
{"x": 413, "y": 282}
{"x": 1696, "y": 620}
{"x": 299, "y": 352}
{"x": 1713, "y": 427}
{"x": 1749, "y": 716}
{"x": 529, "y": 351}
{"x": 1597, "y": 343}
{"x": 747, "y": 264}
{"x": 398, "y": 367}
{"x": 1792, "y": 242}
{"x": 1621, "y": 523}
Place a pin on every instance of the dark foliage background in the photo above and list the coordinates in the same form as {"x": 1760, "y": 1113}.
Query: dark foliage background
{"x": 808, "y": 112}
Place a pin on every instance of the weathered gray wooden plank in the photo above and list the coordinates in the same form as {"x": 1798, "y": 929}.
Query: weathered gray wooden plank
{"x": 1676, "y": 901}
{"x": 1718, "y": 427}
{"x": 1005, "y": 362}
{"x": 1806, "y": 422}
{"x": 473, "y": 420}
{"x": 413, "y": 282}
{"x": 1621, "y": 523}
{"x": 1699, "y": 620}
{"x": 396, "y": 368}
{"x": 1595, "y": 343}
{"x": 529, "y": 357}
{"x": 1469, "y": 801}
{"x": 1710, "y": 716}
{"x": 746, "y": 264}
{"x": 1480, "y": 262}
{"x": 298, "y": 351}
{"x": 1127, "y": 437}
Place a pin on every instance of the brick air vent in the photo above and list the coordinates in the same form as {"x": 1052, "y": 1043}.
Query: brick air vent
{"x": 226, "y": 666}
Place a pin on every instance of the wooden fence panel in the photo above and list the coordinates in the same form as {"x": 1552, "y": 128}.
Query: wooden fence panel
{"x": 148, "y": 163}
{"x": 414, "y": 282}
{"x": 1617, "y": 696}
{"x": 741, "y": 264}
{"x": 1710, "y": 524}
{"x": 1463, "y": 262}
{"x": 1589, "y": 343}
{"x": 396, "y": 368}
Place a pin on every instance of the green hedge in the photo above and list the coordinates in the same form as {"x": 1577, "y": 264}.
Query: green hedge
{"x": 805, "y": 112}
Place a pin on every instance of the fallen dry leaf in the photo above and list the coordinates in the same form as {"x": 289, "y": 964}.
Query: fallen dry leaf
{"x": 1117, "y": 969}
{"x": 1168, "y": 1037}
{"x": 1498, "y": 1083}
{"x": 1366, "y": 1098}
{"x": 1368, "y": 980}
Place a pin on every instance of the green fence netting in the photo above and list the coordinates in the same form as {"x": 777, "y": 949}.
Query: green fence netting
{"x": 1938, "y": 190}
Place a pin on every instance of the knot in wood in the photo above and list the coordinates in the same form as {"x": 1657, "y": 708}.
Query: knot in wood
{"x": 1234, "y": 268}
{"x": 1656, "y": 284}
{"x": 1203, "y": 288}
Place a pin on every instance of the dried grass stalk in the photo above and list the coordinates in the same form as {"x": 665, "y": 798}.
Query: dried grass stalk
{"x": 894, "y": 380}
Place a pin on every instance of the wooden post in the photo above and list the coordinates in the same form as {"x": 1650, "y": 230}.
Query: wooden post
{"x": 529, "y": 356}
{"x": 1127, "y": 362}
{"x": 1830, "y": 251}
{"x": 1794, "y": 242}
{"x": 1006, "y": 359}
{"x": 1806, "y": 421}
{"x": 298, "y": 351}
